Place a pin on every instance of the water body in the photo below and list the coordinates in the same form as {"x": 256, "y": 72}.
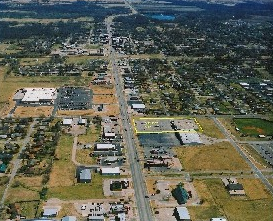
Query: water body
{"x": 162, "y": 17}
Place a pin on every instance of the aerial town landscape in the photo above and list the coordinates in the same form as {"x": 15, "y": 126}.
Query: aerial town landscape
{"x": 136, "y": 110}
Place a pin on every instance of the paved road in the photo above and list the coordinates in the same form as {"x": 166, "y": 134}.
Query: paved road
{"x": 144, "y": 209}
{"x": 17, "y": 162}
{"x": 241, "y": 152}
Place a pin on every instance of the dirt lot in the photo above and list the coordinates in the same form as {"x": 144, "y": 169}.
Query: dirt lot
{"x": 104, "y": 99}
{"x": 33, "y": 111}
{"x": 102, "y": 90}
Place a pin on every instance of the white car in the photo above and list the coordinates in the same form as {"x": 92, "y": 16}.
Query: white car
{"x": 83, "y": 207}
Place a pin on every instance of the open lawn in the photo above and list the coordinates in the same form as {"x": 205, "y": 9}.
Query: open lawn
{"x": 79, "y": 191}
{"x": 254, "y": 126}
{"x": 242, "y": 210}
{"x": 254, "y": 189}
{"x": 209, "y": 128}
{"x": 218, "y": 156}
{"x": 217, "y": 201}
{"x": 83, "y": 157}
{"x": 63, "y": 170}
{"x": 33, "y": 181}
{"x": 91, "y": 136}
{"x": 24, "y": 189}
{"x": 17, "y": 194}
{"x": 29, "y": 209}
{"x": 204, "y": 212}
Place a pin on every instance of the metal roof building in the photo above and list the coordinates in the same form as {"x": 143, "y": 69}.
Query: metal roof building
{"x": 110, "y": 171}
{"x": 182, "y": 214}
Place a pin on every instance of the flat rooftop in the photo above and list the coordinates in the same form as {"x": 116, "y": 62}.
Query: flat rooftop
{"x": 165, "y": 125}
{"x": 36, "y": 95}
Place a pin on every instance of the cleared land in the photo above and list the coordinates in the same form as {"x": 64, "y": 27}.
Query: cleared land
{"x": 218, "y": 156}
{"x": 104, "y": 99}
{"x": 102, "y": 90}
{"x": 209, "y": 128}
{"x": 58, "y": 177}
{"x": 33, "y": 111}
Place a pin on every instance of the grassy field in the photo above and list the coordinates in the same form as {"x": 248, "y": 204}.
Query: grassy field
{"x": 218, "y": 156}
{"x": 204, "y": 212}
{"x": 209, "y": 128}
{"x": 82, "y": 59}
{"x": 67, "y": 210}
{"x": 91, "y": 136}
{"x": 255, "y": 189}
{"x": 59, "y": 178}
{"x": 254, "y": 127}
{"x": 83, "y": 157}
{"x": 256, "y": 158}
{"x": 79, "y": 191}
{"x": 29, "y": 209}
{"x": 17, "y": 194}
{"x": 217, "y": 201}
{"x": 24, "y": 189}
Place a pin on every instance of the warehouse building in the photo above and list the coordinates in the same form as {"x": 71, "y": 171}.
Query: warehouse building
{"x": 36, "y": 96}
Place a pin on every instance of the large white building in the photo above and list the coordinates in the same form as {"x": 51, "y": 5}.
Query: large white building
{"x": 38, "y": 96}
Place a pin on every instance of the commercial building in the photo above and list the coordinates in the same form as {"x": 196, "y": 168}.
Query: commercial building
{"x": 182, "y": 214}
{"x": 83, "y": 175}
{"x": 36, "y": 96}
{"x": 104, "y": 146}
{"x": 110, "y": 171}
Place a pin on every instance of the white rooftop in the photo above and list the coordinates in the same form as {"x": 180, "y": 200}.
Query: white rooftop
{"x": 190, "y": 138}
{"x": 138, "y": 106}
{"x": 109, "y": 134}
{"x": 218, "y": 219}
{"x": 67, "y": 121}
{"x": 37, "y": 94}
{"x": 183, "y": 213}
{"x": 109, "y": 170}
{"x": 105, "y": 146}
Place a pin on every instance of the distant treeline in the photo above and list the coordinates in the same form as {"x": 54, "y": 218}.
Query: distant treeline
{"x": 65, "y": 11}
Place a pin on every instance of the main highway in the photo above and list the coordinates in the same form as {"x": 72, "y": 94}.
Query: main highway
{"x": 143, "y": 204}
